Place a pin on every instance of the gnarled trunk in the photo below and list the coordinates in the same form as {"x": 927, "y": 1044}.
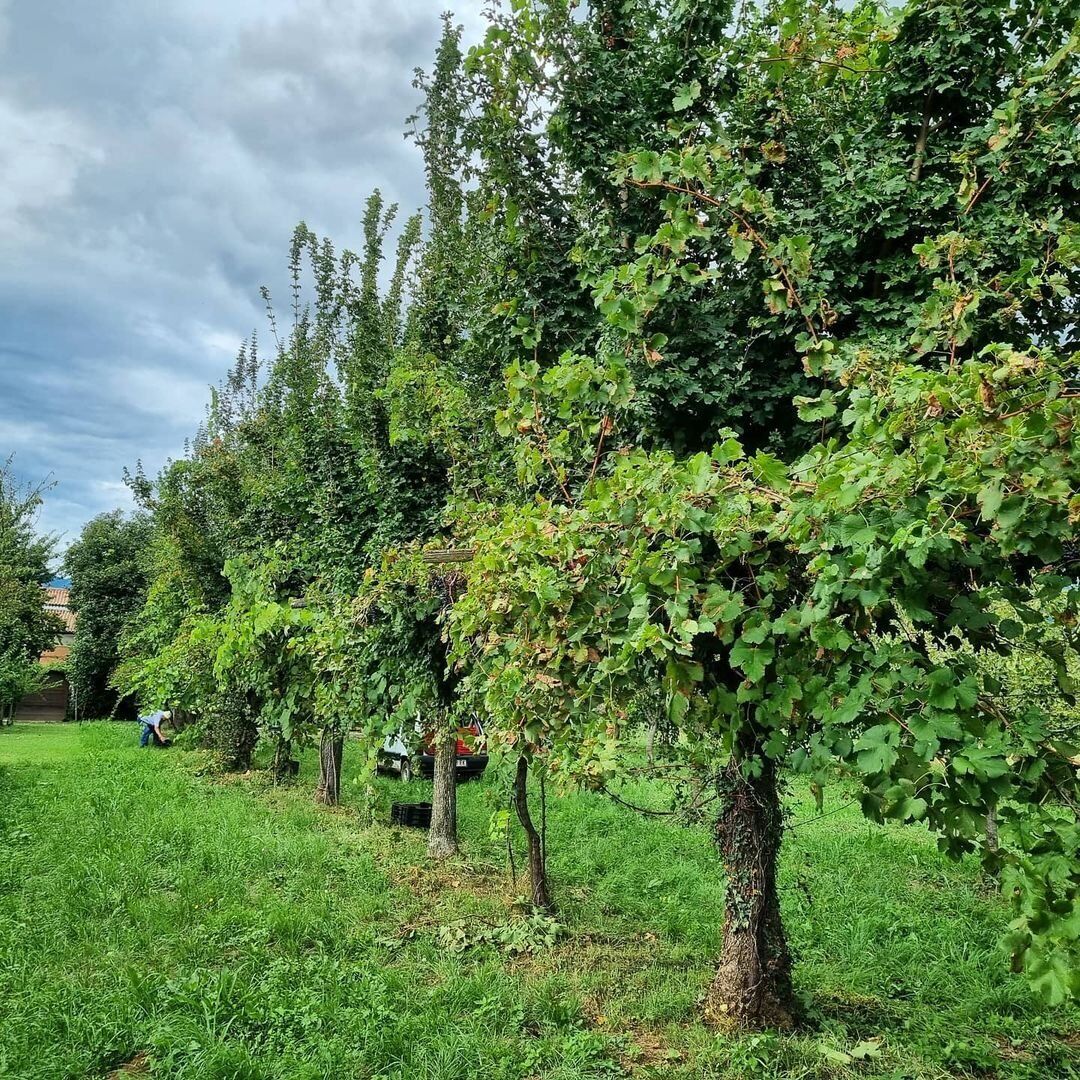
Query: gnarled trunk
{"x": 539, "y": 894}
{"x": 331, "y": 746}
{"x": 752, "y": 986}
{"x": 442, "y": 836}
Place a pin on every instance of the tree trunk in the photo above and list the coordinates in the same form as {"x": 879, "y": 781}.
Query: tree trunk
{"x": 442, "y": 836}
{"x": 246, "y": 736}
{"x": 238, "y": 730}
{"x": 286, "y": 766}
{"x": 331, "y": 746}
{"x": 752, "y": 986}
{"x": 991, "y": 867}
{"x": 540, "y": 896}
{"x": 650, "y": 740}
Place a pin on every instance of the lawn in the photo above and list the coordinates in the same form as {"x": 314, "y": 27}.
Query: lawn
{"x": 160, "y": 923}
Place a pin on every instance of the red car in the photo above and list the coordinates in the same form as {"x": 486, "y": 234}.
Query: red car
{"x": 417, "y": 758}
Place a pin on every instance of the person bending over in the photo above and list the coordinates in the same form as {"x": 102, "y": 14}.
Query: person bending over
{"x": 151, "y": 728}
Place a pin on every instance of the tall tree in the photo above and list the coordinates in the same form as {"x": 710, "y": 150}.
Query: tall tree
{"x": 108, "y": 570}
{"x": 436, "y": 331}
{"x": 929, "y": 315}
{"x": 26, "y": 629}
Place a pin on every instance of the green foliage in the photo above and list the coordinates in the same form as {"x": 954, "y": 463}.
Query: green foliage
{"x": 108, "y": 586}
{"x": 18, "y": 677}
{"x": 534, "y": 932}
{"x": 257, "y": 649}
{"x": 775, "y": 596}
{"x": 562, "y": 415}
{"x": 277, "y": 497}
{"x": 828, "y": 142}
{"x": 26, "y": 629}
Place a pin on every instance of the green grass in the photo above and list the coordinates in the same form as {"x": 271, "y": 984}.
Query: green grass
{"x": 191, "y": 928}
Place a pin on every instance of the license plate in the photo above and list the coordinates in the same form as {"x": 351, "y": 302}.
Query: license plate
{"x": 462, "y": 762}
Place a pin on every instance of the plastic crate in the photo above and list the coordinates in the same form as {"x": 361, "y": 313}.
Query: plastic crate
{"x": 412, "y": 815}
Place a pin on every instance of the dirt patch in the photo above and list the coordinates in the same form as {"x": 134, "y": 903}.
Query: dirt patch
{"x": 1009, "y": 1051}
{"x": 430, "y": 880}
{"x": 644, "y": 1050}
{"x": 139, "y": 1065}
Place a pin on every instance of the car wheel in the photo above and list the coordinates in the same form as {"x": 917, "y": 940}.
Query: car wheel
{"x": 406, "y": 769}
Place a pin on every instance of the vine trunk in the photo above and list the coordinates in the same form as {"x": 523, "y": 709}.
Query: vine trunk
{"x": 539, "y": 894}
{"x": 752, "y": 986}
{"x": 331, "y": 748}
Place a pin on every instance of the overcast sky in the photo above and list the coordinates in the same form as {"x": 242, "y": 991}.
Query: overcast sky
{"x": 154, "y": 158}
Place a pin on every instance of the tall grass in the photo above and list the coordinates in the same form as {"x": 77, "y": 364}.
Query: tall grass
{"x": 186, "y": 928}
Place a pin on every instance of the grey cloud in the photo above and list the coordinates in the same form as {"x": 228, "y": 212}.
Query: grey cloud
{"x": 153, "y": 161}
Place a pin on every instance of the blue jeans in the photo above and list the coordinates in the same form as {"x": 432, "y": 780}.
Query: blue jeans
{"x": 149, "y": 734}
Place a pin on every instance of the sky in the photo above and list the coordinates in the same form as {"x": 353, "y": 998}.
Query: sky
{"x": 154, "y": 159}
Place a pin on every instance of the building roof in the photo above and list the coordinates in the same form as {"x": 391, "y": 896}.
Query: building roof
{"x": 56, "y": 603}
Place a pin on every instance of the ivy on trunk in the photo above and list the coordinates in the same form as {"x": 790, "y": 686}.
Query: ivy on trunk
{"x": 752, "y": 984}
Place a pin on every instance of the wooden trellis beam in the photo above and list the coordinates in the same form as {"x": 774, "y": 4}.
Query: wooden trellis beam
{"x": 449, "y": 555}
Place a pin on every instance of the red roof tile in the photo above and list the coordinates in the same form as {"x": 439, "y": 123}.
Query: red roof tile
{"x": 56, "y": 602}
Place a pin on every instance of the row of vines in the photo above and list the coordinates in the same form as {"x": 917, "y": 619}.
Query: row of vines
{"x": 725, "y": 391}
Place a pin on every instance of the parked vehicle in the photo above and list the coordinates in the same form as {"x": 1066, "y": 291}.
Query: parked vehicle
{"x": 415, "y": 756}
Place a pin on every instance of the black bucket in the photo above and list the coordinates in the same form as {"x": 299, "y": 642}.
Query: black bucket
{"x": 413, "y": 815}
